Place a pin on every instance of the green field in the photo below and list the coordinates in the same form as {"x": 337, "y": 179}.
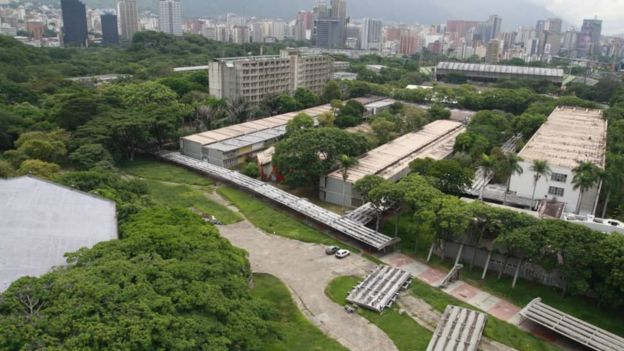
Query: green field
{"x": 154, "y": 169}
{"x": 277, "y": 222}
{"x": 297, "y": 333}
{"x": 495, "y": 329}
{"x": 404, "y": 331}
{"x": 174, "y": 186}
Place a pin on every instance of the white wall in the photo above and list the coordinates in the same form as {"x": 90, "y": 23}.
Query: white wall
{"x": 523, "y": 186}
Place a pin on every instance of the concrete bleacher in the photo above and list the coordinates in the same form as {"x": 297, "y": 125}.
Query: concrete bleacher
{"x": 459, "y": 329}
{"x": 380, "y": 289}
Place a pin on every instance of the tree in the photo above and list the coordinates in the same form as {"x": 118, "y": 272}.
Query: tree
{"x": 346, "y": 162}
{"x": 6, "y": 169}
{"x": 306, "y": 98}
{"x": 450, "y": 177}
{"x": 299, "y": 123}
{"x": 613, "y": 178}
{"x": 586, "y": 176}
{"x": 540, "y": 169}
{"x": 239, "y": 110}
{"x": 507, "y": 167}
{"x": 488, "y": 167}
{"x": 383, "y": 196}
{"x": 251, "y": 170}
{"x": 326, "y": 120}
{"x": 332, "y": 91}
{"x": 364, "y": 185}
{"x": 39, "y": 168}
{"x": 437, "y": 111}
{"x": 88, "y": 156}
{"x": 288, "y": 103}
{"x": 270, "y": 105}
{"x": 306, "y": 156}
{"x": 384, "y": 129}
{"x": 172, "y": 282}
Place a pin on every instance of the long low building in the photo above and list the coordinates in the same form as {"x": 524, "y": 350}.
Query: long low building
{"x": 391, "y": 161}
{"x": 488, "y": 72}
{"x": 569, "y": 136}
{"x": 234, "y": 145}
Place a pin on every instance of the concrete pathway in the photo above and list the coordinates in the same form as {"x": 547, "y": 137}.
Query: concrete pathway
{"x": 307, "y": 271}
{"x": 497, "y": 307}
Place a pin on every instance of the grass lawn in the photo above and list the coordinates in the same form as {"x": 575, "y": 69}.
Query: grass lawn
{"x": 154, "y": 169}
{"x": 271, "y": 220}
{"x": 525, "y": 291}
{"x": 297, "y": 332}
{"x": 495, "y": 329}
{"x": 404, "y": 331}
{"x": 182, "y": 195}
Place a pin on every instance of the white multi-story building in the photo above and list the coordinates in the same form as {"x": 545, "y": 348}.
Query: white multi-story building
{"x": 371, "y": 34}
{"x": 253, "y": 78}
{"x": 128, "y": 19}
{"x": 170, "y": 18}
{"x": 569, "y": 136}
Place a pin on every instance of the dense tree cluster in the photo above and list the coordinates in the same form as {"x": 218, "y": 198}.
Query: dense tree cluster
{"x": 171, "y": 283}
{"x": 590, "y": 262}
{"x": 310, "y": 153}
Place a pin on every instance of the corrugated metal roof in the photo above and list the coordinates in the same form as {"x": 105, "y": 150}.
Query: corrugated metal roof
{"x": 41, "y": 221}
{"x": 502, "y": 69}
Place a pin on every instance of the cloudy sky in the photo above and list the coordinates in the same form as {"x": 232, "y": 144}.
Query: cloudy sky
{"x": 574, "y": 11}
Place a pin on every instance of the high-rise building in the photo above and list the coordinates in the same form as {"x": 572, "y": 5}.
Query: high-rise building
{"x": 495, "y": 24}
{"x": 128, "y": 18}
{"x": 570, "y": 40}
{"x": 253, "y": 78}
{"x": 339, "y": 9}
{"x": 588, "y": 44}
{"x": 170, "y": 18}
{"x": 75, "y": 31}
{"x": 240, "y": 34}
{"x": 35, "y": 29}
{"x": 409, "y": 43}
{"x": 371, "y": 34}
{"x": 330, "y": 32}
{"x": 493, "y": 51}
{"x": 110, "y": 35}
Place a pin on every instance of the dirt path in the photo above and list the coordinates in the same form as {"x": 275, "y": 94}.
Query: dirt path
{"x": 307, "y": 271}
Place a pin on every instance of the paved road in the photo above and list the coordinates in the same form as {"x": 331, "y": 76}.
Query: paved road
{"x": 306, "y": 270}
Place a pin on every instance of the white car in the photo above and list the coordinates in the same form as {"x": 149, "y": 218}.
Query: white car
{"x": 342, "y": 253}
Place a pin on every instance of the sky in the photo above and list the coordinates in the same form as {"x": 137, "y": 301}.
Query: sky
{"x": 611, "y": 12}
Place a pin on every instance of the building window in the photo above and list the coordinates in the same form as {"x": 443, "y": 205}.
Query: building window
{"x": 555, "y": 191}
{"x": 559, "y": 177}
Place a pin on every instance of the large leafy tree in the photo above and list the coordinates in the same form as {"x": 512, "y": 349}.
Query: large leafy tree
{"x": 307, "y": 155}
{"x": 171, "y": 283}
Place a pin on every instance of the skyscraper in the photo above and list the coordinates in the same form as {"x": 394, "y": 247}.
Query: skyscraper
{"x": 493, "y": 51}
{"x": 128, "y": 18}
{"x": 110, "y": 36}
{"x": 170, "y": 19}
{"x": 494, "y": 24}
{"x": 371, "y": 34}
{"x": 339, "y": 9}
{"x": 75, "y": 31}
{"x": 589, "y": 38}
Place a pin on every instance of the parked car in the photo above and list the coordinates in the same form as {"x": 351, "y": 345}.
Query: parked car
{"x": 331, "y": 250}
{"x": 342, "y": 253}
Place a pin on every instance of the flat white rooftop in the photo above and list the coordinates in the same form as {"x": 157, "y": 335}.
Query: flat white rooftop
{"x": 570, "y": 134}
{"x": 435, "y": 140}
{"x": 41, "y": 221}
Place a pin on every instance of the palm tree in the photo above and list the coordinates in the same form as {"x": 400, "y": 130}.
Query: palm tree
{"x": 346, "y": 163}
{"x": 586, "y": 176}
{"x": 540, "y": 169}
{"x": 488, "y": 165}
{"x": 239, "y": 110}
{"x": 510, "y": 165}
